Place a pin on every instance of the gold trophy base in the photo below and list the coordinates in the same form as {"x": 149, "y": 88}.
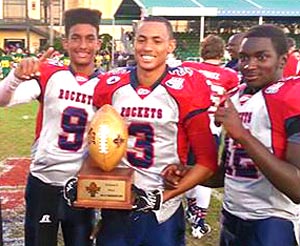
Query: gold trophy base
{"x": 100, "y": 189}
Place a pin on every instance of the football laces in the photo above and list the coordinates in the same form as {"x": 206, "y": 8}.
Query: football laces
{"x": 103, "y": 139}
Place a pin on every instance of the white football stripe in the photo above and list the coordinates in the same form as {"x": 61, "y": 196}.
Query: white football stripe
{"x": 103, "y": 137}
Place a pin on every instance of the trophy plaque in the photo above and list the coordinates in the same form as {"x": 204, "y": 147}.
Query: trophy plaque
{"x": 101, "y": 184}
{"x": 104, "y": 189}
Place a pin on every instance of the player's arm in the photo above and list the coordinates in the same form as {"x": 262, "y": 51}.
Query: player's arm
{"x": 173, "y": 173}
{"x": 204, "y": 148}
{"x": 283, "y": 174}
{"x": 26, "y": 70}
{"x": 217, "y": 180}
{"x": 234, "y": 81}
{"x": 7, "y": 88}
{"x": 14, "y": 92}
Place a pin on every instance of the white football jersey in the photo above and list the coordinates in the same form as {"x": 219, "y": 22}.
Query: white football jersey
{"x": 248, "y": 193}
{"x": 156, "y": 117}
{"x": 66, "y": 108}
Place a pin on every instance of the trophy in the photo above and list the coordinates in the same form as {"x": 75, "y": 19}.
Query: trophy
{"x": 100, "y": 183}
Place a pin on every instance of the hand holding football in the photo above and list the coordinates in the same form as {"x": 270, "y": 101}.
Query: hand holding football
{"x": 107, "y": 138}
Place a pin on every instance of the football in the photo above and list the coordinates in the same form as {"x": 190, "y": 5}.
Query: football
{"x": 107, "y": 138}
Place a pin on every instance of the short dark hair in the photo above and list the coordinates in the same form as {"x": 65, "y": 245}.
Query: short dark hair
{"x": 276, "y": 34}
{"x": 161, "y": 19}
{"x": 81, "y": 16}
{"x": 212, "y": 47}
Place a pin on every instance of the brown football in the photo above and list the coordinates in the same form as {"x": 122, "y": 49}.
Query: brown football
{"x": 107, "y": 138}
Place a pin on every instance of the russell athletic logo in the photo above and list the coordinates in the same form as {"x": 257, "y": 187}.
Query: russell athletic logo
{"x": 45, "y": 219}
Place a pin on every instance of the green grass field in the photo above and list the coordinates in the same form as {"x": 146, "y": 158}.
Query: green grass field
{"x": 17, "y": 126}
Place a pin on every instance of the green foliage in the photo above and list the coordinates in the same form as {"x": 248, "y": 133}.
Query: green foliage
{"x": 106, "y": 42}
{"x": 57, "y": 44}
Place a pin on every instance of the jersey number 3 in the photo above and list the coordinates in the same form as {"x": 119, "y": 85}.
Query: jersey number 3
{"x": 144, "y": 134}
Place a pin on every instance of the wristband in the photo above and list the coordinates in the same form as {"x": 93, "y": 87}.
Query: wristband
{"x": 12, "y": 82}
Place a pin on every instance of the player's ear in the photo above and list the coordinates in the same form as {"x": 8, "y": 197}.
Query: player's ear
{"x": 172, "y": 46}
{"x": 282, "y": 61}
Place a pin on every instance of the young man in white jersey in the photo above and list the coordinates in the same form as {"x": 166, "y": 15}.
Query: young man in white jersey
{"x": 164, "y": 116}
{"x": 65, "y": 95}
{"x": 220, "y": 80}
{"x": 262, "y": 147}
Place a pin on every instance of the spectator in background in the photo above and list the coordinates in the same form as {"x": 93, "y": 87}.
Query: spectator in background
{"x": 98, "y": 60}
{"x": 121, "y": 59}
{"x": 292, "y": 66}
{"x": 221, "y": 80}
{"x": 106, "y": 60}
{"x": 131, "y": 61}
{"x": 233, "y": 46}
{"x": 6, "y": 62}
{"x": 18, "y": 56}
{"x": 65, "y": 59}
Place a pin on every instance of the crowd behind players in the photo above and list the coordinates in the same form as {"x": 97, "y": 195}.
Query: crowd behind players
{"x": 11, "y": 55}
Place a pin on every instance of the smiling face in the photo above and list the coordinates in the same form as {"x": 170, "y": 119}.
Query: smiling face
{"x": 233, "y": 45}
{"x": 259, "y": 62}
{"x": 82, "y": 44}
{"x": 152, "y": 45}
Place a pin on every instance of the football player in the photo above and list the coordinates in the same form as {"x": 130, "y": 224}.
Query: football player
{"x": 232, "y": 47}
{"x": 220, "y": 80}
{"x": 65, "y": 94}
{"x": 292, "y": 66}
{"x": 262, "y": 147}
{"x": 166, "y": 112}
